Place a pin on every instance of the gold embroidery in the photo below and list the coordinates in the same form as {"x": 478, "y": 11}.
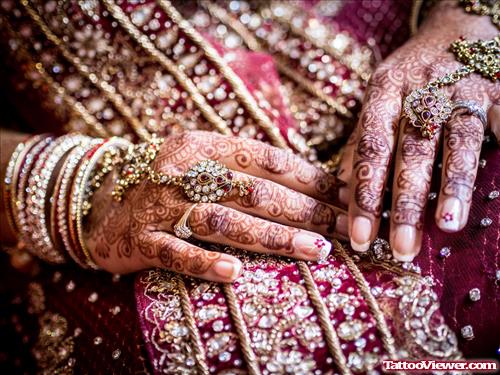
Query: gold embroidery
{"x": 276, "y": 311}
{"x": 54, "y": 347}
{"x": 95, "y": 127}
{"x": 339, "y": 45}
{"x": 281, "y": 63}
{"x": 424, "y": 333}
{"x": 382, "y": 326}
{"x": 108, "y": 90}
{"x": 170, "y": 335}
{"x": 170, "y": 66}
{"x": 198, "y": 349}
{"x": 242, "y": 330}
{"x": 238, "y": 86}
{"x": 331, "y": 337}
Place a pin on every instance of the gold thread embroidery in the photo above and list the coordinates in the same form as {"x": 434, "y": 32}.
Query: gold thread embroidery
{"x": 77, "y": 107}
{"x": 252, "y": 43}
{"x": 169, "y": 334}
{"x": 108, "y": 90}
{"x": 318, "y": 42}
{"x": 382, "y": 326}
{"x": 423, "y": 332}
{"x": 239, "y": 87}
{"x": 198, "y": 349}
{"x": 188, "y": 85}
{"x": 332, "y": 339}
{"x": 242, "y": 330}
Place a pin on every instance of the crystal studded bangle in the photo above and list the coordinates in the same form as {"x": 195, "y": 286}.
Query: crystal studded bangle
{"x": 60, "y": 192}
{"x": 12, "y": 175}
{"x": 10, "y": 181}
{"x": 22, "y": 190}
{"x": 68, "y": 172}
{"x": 80, "y": 191}
{"x": 38, "y": 237}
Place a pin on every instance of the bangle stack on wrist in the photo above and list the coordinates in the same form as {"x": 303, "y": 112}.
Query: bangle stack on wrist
{"x": 48, "y": 186}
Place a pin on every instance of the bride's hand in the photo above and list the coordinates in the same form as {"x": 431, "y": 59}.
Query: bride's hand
{"x": 283, "y": 215}
{"x": 382, "y": 136}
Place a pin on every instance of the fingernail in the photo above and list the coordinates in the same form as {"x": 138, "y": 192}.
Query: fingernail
{"x": 403, "y": 243}
{"x": 312, "y": 244}
{"x": 360, "y": 234}
{"x": 403, "y": 257}
{"x": 342, "y": 224}
{"x": 344, "y": 195}
{"x": 227, "y": 269}
{"x": 449, "y": 215}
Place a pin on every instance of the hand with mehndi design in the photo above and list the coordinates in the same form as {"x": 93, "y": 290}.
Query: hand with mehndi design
{"x": 383, "y": 136}
{"x": 283, "y": 215}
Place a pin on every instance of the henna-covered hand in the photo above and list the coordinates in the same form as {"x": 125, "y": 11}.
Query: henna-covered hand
{"x": 285, "y": 214}
{"x": 381, "y": 133}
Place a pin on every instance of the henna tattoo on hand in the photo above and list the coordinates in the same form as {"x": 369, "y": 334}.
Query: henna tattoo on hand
{"x": 248, "y": 155}
{"x": 236, "y": 226}
{"x": 130, "y": 230}
{"x": 414, "y": 179}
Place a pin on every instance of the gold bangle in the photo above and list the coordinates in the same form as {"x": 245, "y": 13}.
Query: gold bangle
{"x": 80, "y": 192}
{"x": 38, "y": 236}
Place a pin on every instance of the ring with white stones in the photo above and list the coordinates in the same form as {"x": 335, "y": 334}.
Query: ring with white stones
{"x": 473, "y": 109}
{"x": 209, "y": 181}
{"x": 182, "y": 229}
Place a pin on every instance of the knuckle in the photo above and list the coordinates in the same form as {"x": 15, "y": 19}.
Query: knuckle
{"x": 276, "y": 160}
{"x": 218, "y": 219}
{"x": 374, "y": 148}
{"x": 380, "y": 78}
{"x": 261, "y": 194}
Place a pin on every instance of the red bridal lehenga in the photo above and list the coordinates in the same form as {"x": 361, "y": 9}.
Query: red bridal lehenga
{"x": 289, "y": 73}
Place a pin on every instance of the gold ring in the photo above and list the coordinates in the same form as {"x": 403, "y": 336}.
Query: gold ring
{"x": 182, "y": 229}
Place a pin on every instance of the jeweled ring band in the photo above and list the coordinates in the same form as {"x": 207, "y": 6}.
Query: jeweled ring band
{"x": 208, "y": 181}
{"x": 182, "y": 229}
{"x": 473, "y": 109}
{"x": 429, "y": 109}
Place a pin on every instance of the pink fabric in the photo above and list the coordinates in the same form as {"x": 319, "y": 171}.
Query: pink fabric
{"x": 473, "y": 263}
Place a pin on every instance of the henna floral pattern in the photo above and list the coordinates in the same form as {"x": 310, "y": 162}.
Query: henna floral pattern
{"x": 380, "y": 134}
{"x": 414, "y": 177}
{"x": 138, "y": 230}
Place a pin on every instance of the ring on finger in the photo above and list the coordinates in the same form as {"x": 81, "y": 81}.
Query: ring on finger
{"x": 429, "y": 109}
{"x": 208, "y": 181}
{"x": 473, "y": 109}
{"x": 182, "y": 229}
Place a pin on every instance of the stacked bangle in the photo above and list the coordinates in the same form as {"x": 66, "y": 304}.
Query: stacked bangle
{"x": 40, "y": 178}
{"x": 46, "y": 205}
{"x": 81, "y": 190}
{"x": 62, "y": 191}
{"x": 10, "y": 182}
{"x": 58, "y": 226}
{"x": 32, "y": 156}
